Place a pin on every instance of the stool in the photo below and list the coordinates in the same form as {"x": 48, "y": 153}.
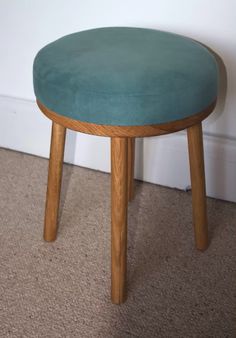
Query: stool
{"x": 125, "y": 83}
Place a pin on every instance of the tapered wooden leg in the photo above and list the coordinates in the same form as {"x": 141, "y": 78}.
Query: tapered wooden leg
{"x": 119, "y": 158}
{"x": 196, "y": 158}
{"x": 54, "y": 181}
{"x": 131, "y": 156}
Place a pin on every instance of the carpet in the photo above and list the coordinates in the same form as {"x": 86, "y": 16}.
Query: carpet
{"x": 62, "y": 289}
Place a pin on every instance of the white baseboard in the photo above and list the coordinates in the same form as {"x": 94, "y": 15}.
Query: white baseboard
{"x": 161, "y": 160}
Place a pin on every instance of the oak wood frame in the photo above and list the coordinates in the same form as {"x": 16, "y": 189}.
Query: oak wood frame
{"x": 122, "y": 173}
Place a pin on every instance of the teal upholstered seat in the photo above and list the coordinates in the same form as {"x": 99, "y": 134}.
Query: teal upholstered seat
{"x": 125, "y": 76}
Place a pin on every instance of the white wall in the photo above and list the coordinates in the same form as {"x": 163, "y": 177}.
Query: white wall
{"x": 26, "y": 26}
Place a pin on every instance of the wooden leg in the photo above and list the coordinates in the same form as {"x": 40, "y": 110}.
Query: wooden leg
{"x": 131, "y": 156}
{"x": 196, "y": 158}
{"x": 119, "y": 158}
{"x": 54, "y": 181}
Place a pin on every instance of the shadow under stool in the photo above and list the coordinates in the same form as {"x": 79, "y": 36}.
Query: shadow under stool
{"x": 125, "y": 83}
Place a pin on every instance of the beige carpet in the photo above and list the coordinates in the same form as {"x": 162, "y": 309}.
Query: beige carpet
{"x": 62, "y": 289}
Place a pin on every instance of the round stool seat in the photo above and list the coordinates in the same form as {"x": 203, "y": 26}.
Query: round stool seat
{"x": 123, "y": 76}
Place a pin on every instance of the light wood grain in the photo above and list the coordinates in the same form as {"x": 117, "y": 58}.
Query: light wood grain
{"x": 54, "y": 181}
{"x": 122, "y": 188}
{"x": 126, "y": 131}
{"x": 131, "y": 158}
{"x": 196, "y": 159}
{"x": 119, "y": 158}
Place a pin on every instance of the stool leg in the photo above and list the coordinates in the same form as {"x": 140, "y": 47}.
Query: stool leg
{"x": 119, "y": 158}
{"x": 54, "y": 181}
{"x": 131, "y": 156}
{"x": 196, "y": 159}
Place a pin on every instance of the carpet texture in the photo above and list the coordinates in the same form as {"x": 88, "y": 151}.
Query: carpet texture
{"x": 62, "y": 289}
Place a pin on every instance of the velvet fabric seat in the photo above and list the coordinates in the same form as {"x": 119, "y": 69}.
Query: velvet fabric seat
{"x": 125, "y": 76}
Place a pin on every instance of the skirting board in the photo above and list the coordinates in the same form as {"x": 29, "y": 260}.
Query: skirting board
{"x": 161, "y": 160}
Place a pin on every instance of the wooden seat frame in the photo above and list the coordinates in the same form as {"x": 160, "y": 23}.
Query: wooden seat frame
{"x": 122, "y": 176}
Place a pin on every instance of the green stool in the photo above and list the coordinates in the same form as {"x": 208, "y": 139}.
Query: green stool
{"x": 125, "y": 83}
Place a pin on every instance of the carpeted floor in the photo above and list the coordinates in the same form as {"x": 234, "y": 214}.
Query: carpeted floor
{"x": 62, "y": 289}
